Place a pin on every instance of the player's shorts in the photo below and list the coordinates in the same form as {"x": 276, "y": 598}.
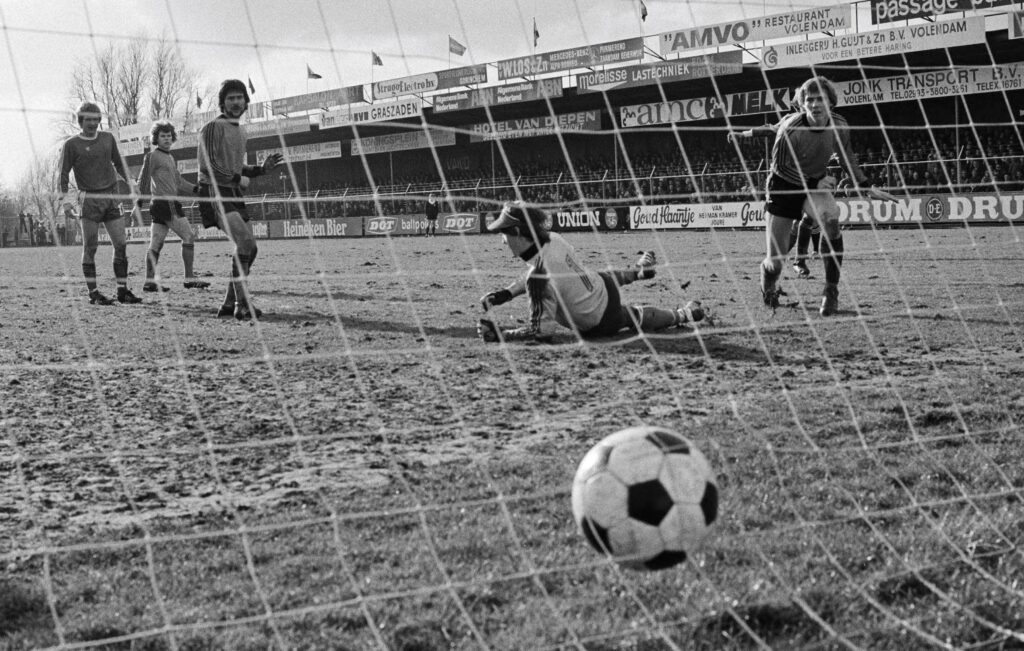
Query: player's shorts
{"x": 163, "y": 211}
{"x": 786, "y": 199}
{"x": 100, "y": 206}
{"x": 230, "y": 201}
{"x": 615, "y": 317}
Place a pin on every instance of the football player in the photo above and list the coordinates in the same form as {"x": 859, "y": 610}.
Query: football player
{"x": 94, "y": 158}
{"x": 804, "y": 143}
{"x": 161, "y": 179}
{"x": 223, "y": 178}
{"x": 563, "y": 292}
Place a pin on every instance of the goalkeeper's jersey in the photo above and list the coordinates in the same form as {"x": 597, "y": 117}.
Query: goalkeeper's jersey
{"x": 221, "y": 152}
{"x": 562, "y": 290}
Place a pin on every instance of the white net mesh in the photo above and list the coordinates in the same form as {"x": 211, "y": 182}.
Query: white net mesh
{"x": 356, "y": 469}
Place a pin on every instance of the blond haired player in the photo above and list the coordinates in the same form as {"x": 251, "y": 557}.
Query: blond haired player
{"x": 564, "y": 293}
{"x": 161, "y": 179}
{"x": 804, "y": 143}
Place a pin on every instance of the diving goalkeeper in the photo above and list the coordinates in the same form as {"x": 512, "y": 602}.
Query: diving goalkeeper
{"x": 563, "y": 292}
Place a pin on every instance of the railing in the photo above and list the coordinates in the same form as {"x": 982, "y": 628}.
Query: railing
{"x": 653, "y": 184}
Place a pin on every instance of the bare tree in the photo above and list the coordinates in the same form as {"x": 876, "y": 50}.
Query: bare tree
{"x": 117, "y": 76}
{"x": 171, "y": 81}
{"x": 174, "y": 85}
{"x": 37, "y": 186}
{"x": 136, "y": 80}
{"x": 132, "y": 74}
{"x": 95, "y": 79}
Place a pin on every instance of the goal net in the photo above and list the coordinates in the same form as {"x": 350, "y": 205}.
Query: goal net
{"x": 357, "y": 469}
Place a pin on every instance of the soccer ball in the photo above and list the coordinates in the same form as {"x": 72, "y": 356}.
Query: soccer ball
{"x": 646, "y": 496}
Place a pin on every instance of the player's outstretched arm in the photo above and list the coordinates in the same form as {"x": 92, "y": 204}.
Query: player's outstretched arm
{"x": 881, "y": 195}
{"x": 492, "y": 299}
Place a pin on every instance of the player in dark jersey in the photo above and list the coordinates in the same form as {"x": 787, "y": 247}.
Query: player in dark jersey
{"x": 431, "y": 209}
{"x": 804, "y": 143}
{"x": 223, "y": 177}
{"x": 94, "y": 158}
{"x": 564, "y": 292}
{"x": 160, "y": 179}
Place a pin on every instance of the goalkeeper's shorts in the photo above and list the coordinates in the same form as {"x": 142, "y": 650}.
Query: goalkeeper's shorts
{"x": 615, "y": 317}
{"x": 211, "y": 211}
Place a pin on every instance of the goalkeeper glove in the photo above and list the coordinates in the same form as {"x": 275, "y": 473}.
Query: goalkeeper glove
{"x": 487, "y": 330}
{"x": 499, "y": 297}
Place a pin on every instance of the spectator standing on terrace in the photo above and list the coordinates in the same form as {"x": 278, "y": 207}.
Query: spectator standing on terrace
{"x": 431, "y": 210}
{"x": 94, "y": 158}
{"x": 160, "y": 179}
{"x": 223, "y": 177}
{"x": 804, "y": 142}
{"x": 564, "y": 292}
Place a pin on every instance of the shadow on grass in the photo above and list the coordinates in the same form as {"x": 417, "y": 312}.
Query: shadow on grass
{"x": 422, "y": 636}
{"x": 773, "y": 622}
{"x": 25, "y": 621}
{"x": 321, "y": 294}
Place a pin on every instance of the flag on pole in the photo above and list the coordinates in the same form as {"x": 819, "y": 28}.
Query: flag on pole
{"x": 456, "y": 48}
{"x": 310, "y": 74}
{"x": 199, "y": 100}
{"x": 375, "y": 60}
{"x": 536, "y": 32}
{"x": 252, "y": 89}
{"x": 643, "y": 11}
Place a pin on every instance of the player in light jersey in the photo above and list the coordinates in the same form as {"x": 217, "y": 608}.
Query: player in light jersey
{"x": 223, "y": 178}
{"x": 564, "y": 293}
{"x": 804, "y": 143}
{"x": 94, "y": 158}
{"x": 161, "y": 179}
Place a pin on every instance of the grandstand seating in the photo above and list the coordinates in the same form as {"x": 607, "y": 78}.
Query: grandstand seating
{"x": 911, "y": 160}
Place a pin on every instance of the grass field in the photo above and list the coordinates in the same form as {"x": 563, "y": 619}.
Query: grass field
{"x": 359, "y": 471}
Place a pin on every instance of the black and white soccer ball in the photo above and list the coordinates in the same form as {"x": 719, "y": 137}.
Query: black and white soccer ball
{"x": 645, "y": 496}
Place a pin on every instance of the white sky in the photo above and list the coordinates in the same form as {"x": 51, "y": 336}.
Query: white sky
{"x": 272, "y": 41}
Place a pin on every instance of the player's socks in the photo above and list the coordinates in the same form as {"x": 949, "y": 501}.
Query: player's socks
{"x": 188, "y": 254}
{"x": 803, "y": 240}
{"x": 769, "y": 277}
{"x": 239, "y": 273}
{"x": 121, "y": 266}
{"x": 227, "y": 308}
{"x": 769, "y": 285}
{"x": 692, "y": 312}
{"x": 152, "y": 260}
{"x": 830, "y": 300}
{"x": 654, "y": 318}
{"x": 832, "y": 254}
{"x": 89, "y": 271}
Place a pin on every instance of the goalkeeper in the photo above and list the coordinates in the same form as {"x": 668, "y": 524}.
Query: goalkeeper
{"x": 798, "y": 181}
{"x": 563, "y": 292}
